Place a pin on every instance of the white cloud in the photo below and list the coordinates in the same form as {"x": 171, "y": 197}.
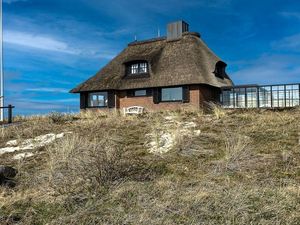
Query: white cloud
{"x": 290, "y": 14}
{"x": 36, "y": 41}
{"x": 288, "y": 43}
{"x": 268, "y": 69}
{"x": 48, "y": 43}
{"x": 12, "y": 1}
{"x": 56, "y": 90}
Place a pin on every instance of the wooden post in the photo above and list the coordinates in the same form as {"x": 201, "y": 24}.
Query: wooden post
{"x": 10, "y": 107}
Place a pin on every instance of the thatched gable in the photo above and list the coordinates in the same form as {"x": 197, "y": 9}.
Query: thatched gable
{"x": 178, "y": 62}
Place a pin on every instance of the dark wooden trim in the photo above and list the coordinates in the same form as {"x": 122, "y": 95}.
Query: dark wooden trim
{"x": 185, "y": 94}
{"x": 83, "y": 100}
{"x": 111, "y": 99}
{"x": 156, "y": 95}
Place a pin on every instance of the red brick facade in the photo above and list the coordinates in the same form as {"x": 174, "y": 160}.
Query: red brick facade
{"x": 198, "y": 95}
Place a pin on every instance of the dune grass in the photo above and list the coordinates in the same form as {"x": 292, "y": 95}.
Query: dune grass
{"x": 242, "y": 168}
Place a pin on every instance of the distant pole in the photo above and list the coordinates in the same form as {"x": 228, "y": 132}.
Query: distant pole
{"x": 1, "y": 64}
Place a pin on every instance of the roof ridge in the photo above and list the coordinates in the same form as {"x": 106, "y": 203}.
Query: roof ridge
{"x": 147, "y": 41}
{"x": 196, "y": 34}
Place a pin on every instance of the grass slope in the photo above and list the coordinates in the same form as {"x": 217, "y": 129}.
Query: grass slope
{"x": 243, "y": 168}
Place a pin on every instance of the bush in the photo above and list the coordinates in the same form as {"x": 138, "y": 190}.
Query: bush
{"x": 59, "y": 118}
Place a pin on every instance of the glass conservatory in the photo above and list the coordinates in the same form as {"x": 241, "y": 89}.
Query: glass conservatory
{"x": 255, "y": 96}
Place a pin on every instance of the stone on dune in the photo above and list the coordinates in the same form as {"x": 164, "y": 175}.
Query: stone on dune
{"x": 6, "y": 175}
{"x": 8, "y": 171}
{"x": 32, "y": 143}
{"x": 23, "y": 155}
{"x": 12, "y": 143}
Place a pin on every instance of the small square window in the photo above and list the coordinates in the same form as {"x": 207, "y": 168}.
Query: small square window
{"x": 140, "y": 93}
{"x": 138, "y": 68}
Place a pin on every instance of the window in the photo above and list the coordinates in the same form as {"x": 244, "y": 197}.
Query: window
{"x": 171, "y": 94}
{"x": 265, "y": 97}
{"x": 137, "y": 68}
{"x": 228, "y": 98}
{"x": 240, "y": 94}
{"x": 97, "y": 99}
{"x": 140, "y": 93}
{"x": 292, "y": 95}
{"x": 251, "y": 94}
{"x": 220, "y": 69}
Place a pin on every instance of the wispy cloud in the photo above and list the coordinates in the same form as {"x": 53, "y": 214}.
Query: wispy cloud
{"x": 12, "y": 1}
{"x": 290, "y": 43}
{"x": 53, "y": 44}
{"x": 55, "y": 90}
{"x": 290, "y": 14}
{"x": 36, "y": 41}
{"x": 268, "y": 69}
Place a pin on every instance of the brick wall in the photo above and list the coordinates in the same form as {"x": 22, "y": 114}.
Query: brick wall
{"x": 198, "y": 94}
{"x": 208, "y": 94}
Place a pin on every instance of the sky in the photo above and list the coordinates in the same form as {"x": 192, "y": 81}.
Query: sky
{"x": 50, "y": 46}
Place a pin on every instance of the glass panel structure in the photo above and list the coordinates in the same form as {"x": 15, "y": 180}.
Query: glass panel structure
{"x": 251, "y": 96}
{"x": 171, "y": 94}
{"x": 240, "y": 97}
{"x": 269, "y": 96}
{"x": 97, "y": 99}
{"x": 265, "y": 97}
{"x": 228, "y": 98}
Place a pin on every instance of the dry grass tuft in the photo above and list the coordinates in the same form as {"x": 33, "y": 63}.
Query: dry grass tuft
{"x": 216, "y": 110}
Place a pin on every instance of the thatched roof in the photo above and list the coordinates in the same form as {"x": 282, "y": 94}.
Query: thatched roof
{"x": 178, "y": 62}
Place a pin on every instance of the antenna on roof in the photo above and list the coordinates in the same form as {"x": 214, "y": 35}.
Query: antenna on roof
{"x": 158, "y": 32}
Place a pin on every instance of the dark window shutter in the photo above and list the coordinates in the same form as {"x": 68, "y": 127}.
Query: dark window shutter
{"x": 156, "y": 95}
{"x": 83, "y": 100}
{"x": 149, "y": 92}
{"x": 130, "y": 93}
{"x": 111, "y": 103}
{"x": 185, "y": 94}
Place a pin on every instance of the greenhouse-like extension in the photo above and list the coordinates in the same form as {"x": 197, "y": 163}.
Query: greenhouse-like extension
{"x": 255, "y": 96}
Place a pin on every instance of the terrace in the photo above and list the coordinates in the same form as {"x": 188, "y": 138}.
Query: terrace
{"x": 255, "y": 96}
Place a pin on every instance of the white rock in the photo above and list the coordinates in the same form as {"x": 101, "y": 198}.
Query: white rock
{"x": 9, "y": 149}
{"x": 23, "y": 155}
{"x": 197, "y": 132}
{"x": 12, "y": 143}
{"x": 32, "y": 143}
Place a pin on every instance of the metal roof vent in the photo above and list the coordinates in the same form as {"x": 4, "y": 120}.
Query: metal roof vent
{"x": 175, "y": 30}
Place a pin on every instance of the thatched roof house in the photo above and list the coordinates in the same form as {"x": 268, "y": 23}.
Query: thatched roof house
{"x": 160, "y": 71}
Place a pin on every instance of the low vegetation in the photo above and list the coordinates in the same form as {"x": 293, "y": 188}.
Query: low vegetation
{"x": 222, "y": 167}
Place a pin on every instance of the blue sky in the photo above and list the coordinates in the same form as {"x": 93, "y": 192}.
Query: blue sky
{"x": 52, "y": 45}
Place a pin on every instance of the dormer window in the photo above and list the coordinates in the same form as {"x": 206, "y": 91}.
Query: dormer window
{"x": 137, "y": 68}
{"x": 220, "y": 70}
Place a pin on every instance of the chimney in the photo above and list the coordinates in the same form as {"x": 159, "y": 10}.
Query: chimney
{"x": 175, "y": 30}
